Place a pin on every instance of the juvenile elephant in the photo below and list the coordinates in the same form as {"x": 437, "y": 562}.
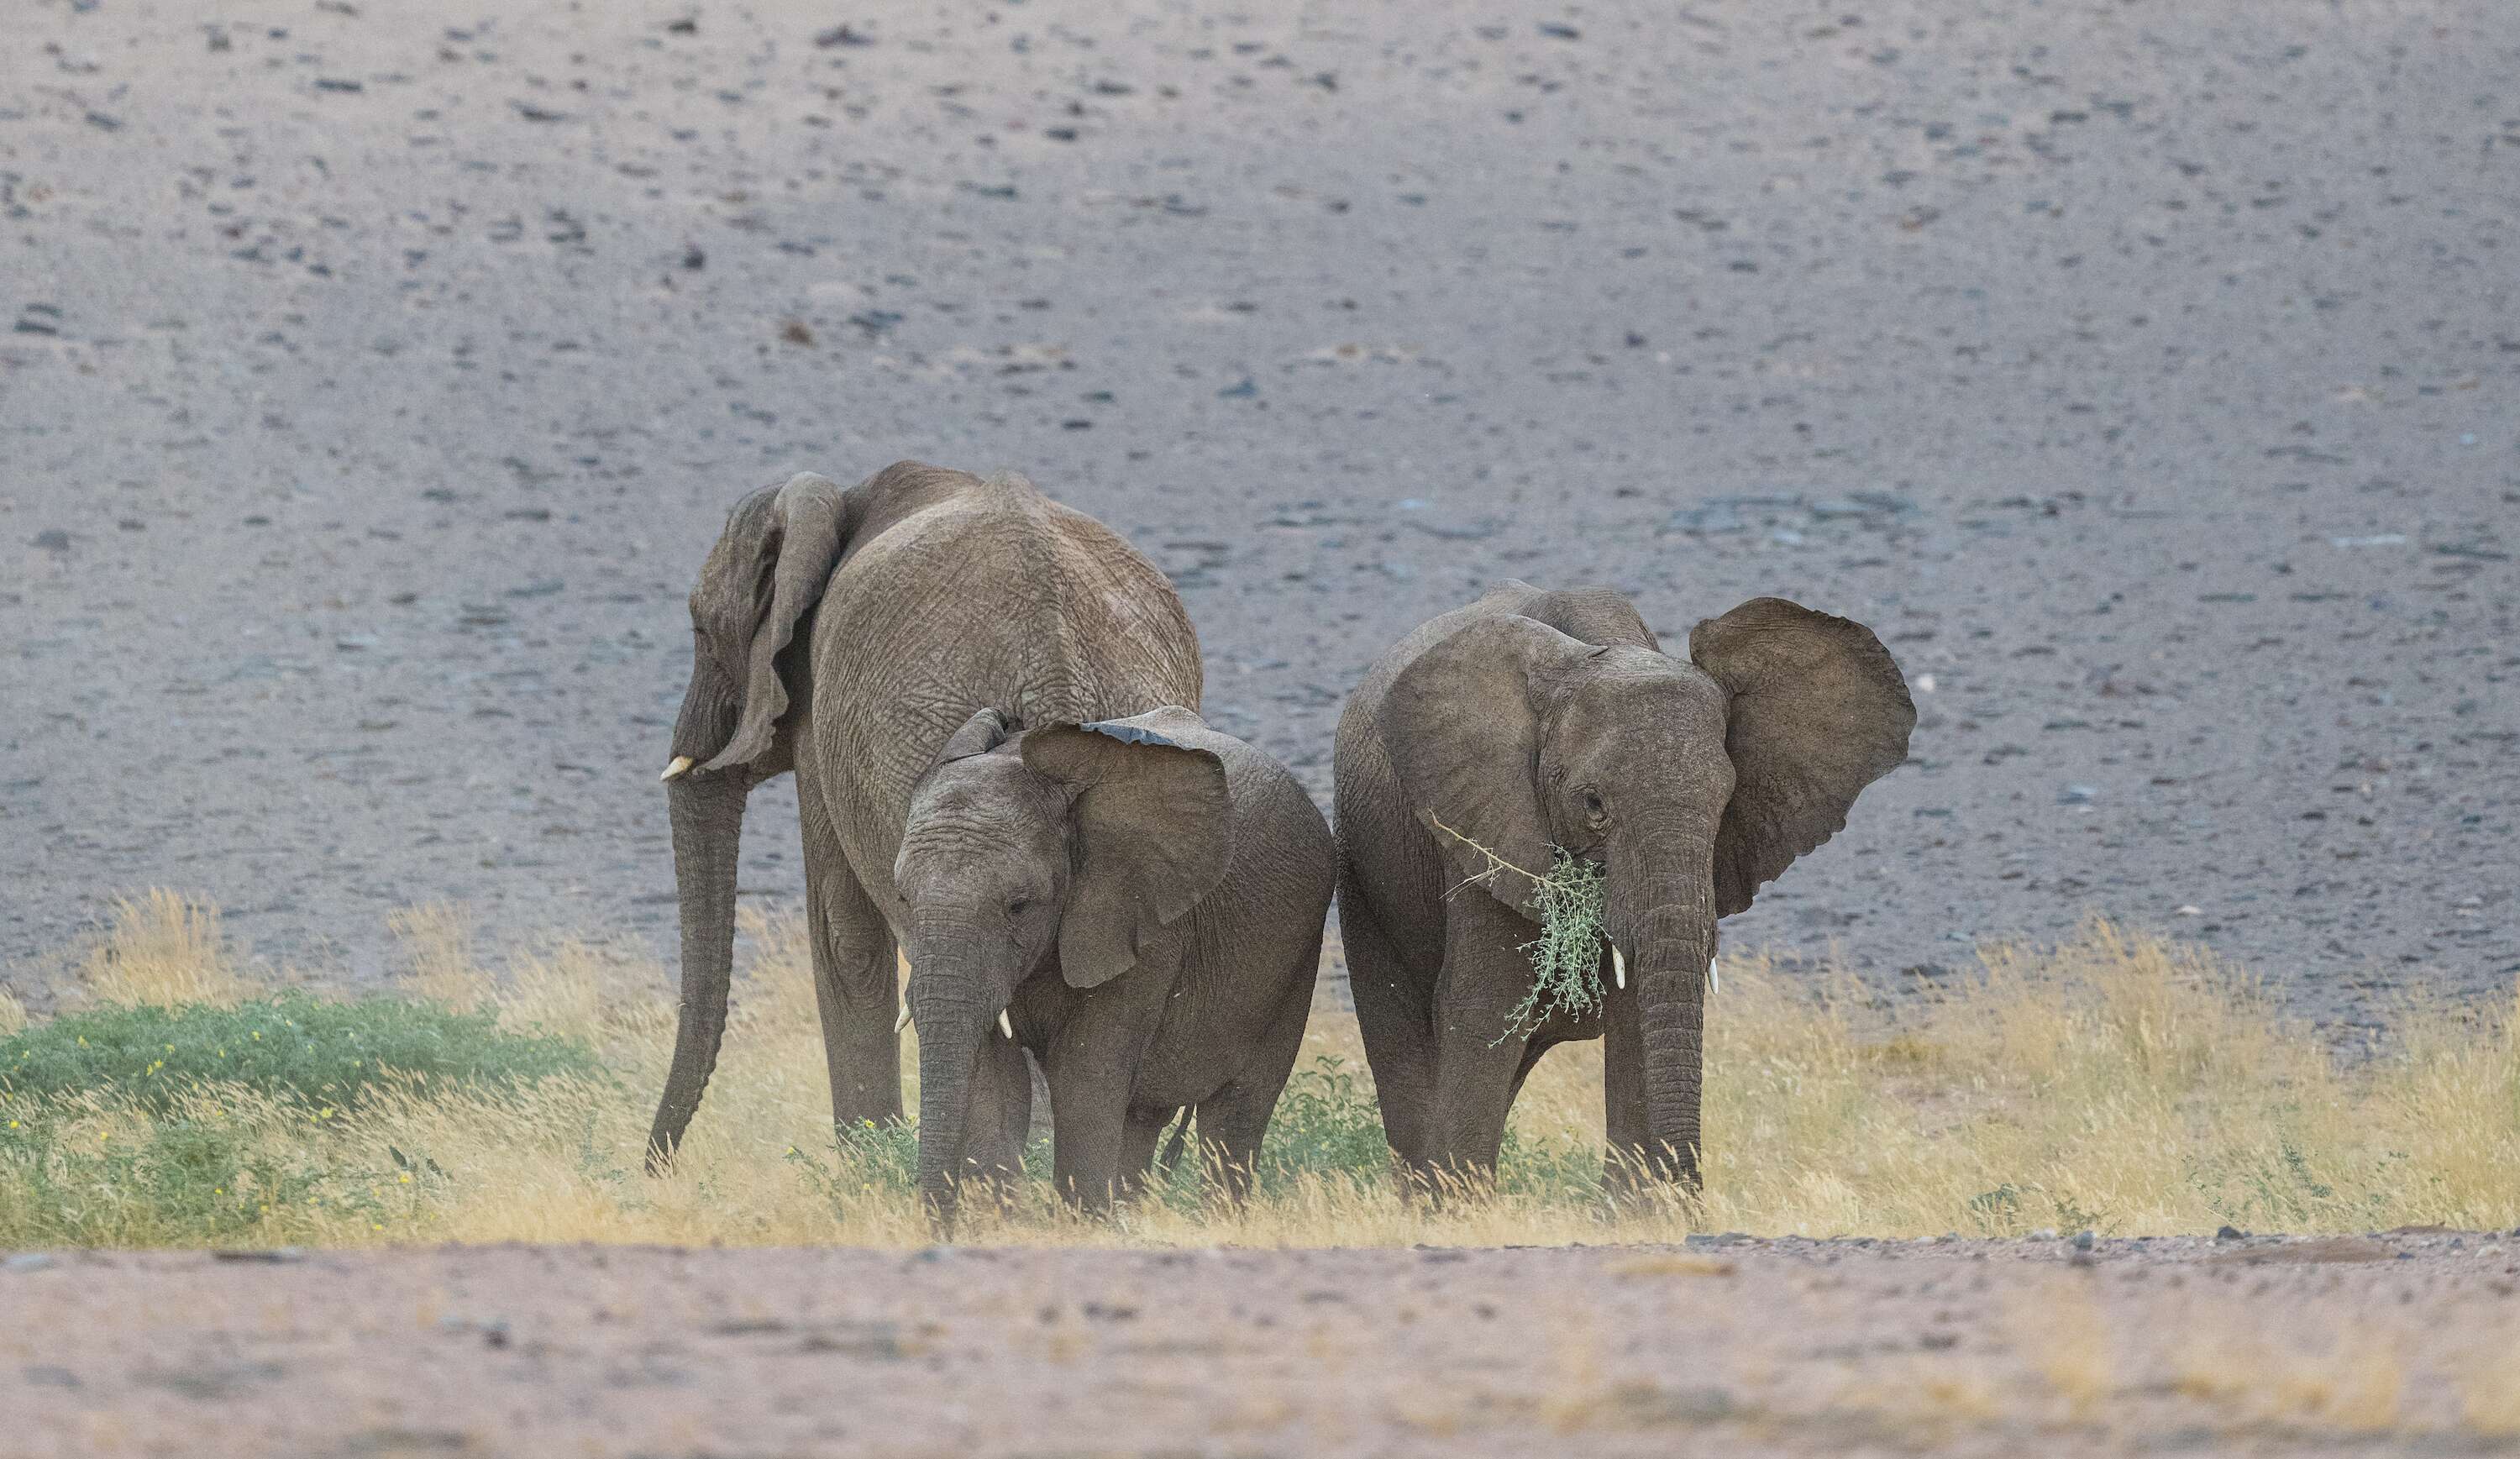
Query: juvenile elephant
{"x": 1139, "y": 902}
{"x": 1530, "y": 721}
{"x": 846, "y": 635}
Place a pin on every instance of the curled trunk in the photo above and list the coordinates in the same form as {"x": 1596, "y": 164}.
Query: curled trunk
{"x": 707, "y": 811}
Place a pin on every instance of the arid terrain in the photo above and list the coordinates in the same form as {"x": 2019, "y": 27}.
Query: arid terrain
{"x": 2144, "y": 374}
{"x": 375, "y": 372}
{"x": 2401, "y": 1345}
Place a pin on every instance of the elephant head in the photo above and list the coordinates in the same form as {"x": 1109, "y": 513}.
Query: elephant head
{"x": 757, "y": 587}
{"x": 1689, "y": 783}
{"x": 1065, "y": 846}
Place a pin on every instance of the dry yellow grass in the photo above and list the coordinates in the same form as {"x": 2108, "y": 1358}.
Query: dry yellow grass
{"x": 163, "y": 949}
{"x": 2117, "y": 1082}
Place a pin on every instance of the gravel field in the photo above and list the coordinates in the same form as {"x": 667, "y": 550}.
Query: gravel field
{"x": 2401, "y": 1345}
{"x": 371, "y": 382}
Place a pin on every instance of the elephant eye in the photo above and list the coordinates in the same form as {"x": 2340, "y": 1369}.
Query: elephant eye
{"x": 1015, "y": 907}
{"x": 1593, "y": 804}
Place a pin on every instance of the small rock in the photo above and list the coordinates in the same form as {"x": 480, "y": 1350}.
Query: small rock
{"x": 51, "y": 540}
{"x": 2078, "y": 795}
{"x": 1244, "y": 390}
{"x": 2234, "y": 1233}
{"x": 28, "y": 1262}
{"x": 842, "y": 36}
{"x": 2044, "y": 1233}
{"x": 2085, "y": 1239}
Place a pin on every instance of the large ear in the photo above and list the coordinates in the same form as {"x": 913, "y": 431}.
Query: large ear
{"x": 1818, "y": 711}
{"x": 1152, "y": 836}
{"x": 806, "y": 529}
{"x": 1463, "y": 727}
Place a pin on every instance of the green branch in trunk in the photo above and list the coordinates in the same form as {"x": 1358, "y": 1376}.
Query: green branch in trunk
{"x": 1566, "y": 956}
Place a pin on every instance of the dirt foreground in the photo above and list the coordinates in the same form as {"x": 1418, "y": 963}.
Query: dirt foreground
{"x": 2402, "y": 1343}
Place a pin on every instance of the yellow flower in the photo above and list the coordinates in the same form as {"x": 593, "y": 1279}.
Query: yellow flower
{"x": 406, "y": 1177}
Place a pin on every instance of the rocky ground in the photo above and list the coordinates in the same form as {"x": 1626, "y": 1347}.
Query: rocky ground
{"x": 2402, "y": 1343}
{"x": 375, "y": 376}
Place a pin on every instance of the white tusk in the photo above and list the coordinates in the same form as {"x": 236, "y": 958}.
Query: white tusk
{"x": 903, "y": 1021}
{"x": 1006, "y": 1025}
{"x": 1711, "y": 975}
{"x": 1618, "y": 964}
{"x": 675, "y": 769}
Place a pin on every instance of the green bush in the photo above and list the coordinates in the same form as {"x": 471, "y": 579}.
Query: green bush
{"x": 288, "y": 1047}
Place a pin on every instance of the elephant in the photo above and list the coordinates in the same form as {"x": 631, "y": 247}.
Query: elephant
{"x": 1137, "y": 902}
{"x": 846, "y": 635}
{"x": 1530, "y": 723}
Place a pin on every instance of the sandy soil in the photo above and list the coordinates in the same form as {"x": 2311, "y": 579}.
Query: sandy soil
{"x": 2399, "y": 1344}
{"x": 371, "y": 383}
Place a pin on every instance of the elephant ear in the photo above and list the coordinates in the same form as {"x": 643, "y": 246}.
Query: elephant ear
{"x": 1151, "y": 837}
{"x": 783, "y": 553}
{"x": 1818, "y": 711}
{"x": 1463, "y": 725}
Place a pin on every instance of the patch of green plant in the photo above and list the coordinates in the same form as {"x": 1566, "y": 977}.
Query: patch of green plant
{"x": 289, "y": 1047}
{"x": 183, "y": 1181}
{"x": 1566, "y": 956}
{"x": 1325, "y": 1125}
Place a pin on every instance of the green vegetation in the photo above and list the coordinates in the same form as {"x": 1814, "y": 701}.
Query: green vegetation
{"x": 1566, "y": 956}
{"x": 2117, "y": 1082}
{"x": 287, "y": 1046}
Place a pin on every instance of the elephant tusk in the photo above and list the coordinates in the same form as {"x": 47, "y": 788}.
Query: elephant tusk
{"x": 1618, "y": 964}
{"x": 903, "y": 1021}
{"x": 1006, "y": 1025}
{"x": 675, "y": 769}
{"x": 1711, "y": 975}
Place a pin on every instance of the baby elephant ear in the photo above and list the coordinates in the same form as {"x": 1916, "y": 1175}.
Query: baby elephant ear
{"x": 1151, "y": 836}
{"x": 1818, "y": 711}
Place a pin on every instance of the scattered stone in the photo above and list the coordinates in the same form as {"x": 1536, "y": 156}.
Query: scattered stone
{"x": 28, "y": 1262}
{"x": 2234, "y": 1233}
{"x": 2085, "y": 1239}
{"x": 842, "y": 36}
{"x": 51, "y": 540}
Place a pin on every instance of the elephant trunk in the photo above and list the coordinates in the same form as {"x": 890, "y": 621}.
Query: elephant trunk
{"x": 707, "y": 813}
{"x": 950, "y": 1030}
{"x": 949, "y": 1003}
{"x": 1667, "y": 929}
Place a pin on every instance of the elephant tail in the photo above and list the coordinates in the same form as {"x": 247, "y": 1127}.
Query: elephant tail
{"x": 1173, "y": 1147}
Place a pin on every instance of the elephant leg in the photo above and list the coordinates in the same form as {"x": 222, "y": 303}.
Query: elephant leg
{"x": 1233, "y": 1120}
{"x": 1399, "y": 1035}
{"x": 855, "y": 980}
{"x": 1001, "y": 1118}
{"x": 1093, "y": 1069}
{"x": 1091, "y": 1109}
{"x": 1480, "y": 1056}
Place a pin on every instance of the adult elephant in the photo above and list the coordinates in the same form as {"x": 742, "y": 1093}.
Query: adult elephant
{"x": 846, "y": 635}
{"x": 1530, "y": 723}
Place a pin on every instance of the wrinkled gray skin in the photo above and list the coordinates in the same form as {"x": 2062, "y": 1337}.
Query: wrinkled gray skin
{"x": 1143, "y": 897}
{"x": 1530, "y": 720}
{"x": 846, "y": 635}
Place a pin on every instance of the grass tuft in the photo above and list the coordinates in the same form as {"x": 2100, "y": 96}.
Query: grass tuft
{"x": 2116, "y": 1081}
